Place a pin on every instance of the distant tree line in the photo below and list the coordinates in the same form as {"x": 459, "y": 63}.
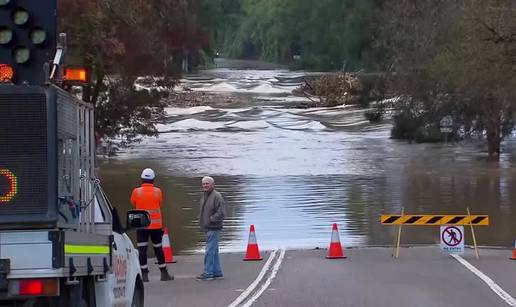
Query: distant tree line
{"x": 324, "y": 34}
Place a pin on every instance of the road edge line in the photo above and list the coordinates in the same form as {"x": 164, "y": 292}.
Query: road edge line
{"x": 255, "y": 283}
{"x": 268, "y": 281}
{"x": 494, "y": 286}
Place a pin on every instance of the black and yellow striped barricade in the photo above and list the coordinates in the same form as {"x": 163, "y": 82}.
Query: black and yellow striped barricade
{"x": 433, "y": 220}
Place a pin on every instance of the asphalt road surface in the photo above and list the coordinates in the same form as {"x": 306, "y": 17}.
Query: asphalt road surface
{"x": 369, "y": 277}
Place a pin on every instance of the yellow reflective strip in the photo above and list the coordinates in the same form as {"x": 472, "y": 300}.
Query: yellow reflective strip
{"x": 86, "y": 249}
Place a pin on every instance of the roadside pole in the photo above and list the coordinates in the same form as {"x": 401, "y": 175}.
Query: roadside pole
{"x": 473, "y": 234}
{"x": 396, "y": 253}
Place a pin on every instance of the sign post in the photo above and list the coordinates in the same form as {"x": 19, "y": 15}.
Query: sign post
{"x": 446, "y": 125}
{"x": 474, "y": 237}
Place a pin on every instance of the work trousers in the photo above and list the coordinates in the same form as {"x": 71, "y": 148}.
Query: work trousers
{"x": 156, "y": 236}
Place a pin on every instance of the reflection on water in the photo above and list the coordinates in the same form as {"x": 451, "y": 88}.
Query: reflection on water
{"x": 294, "y": 172}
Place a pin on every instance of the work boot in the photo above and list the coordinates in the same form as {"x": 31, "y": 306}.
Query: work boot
{"x": 165, "y": 276}
{"x": 145, "y": 276}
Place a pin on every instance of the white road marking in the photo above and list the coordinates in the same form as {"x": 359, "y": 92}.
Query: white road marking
{"x": 255, "y": 283}
{"x": 495, "y": 287}
{"x": 268, "y": 282}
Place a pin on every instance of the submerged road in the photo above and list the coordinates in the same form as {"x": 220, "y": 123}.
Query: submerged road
{"x": 368, "y": 277}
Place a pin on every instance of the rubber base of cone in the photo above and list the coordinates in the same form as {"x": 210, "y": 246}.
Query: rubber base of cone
{"x": 173, "y": 261}
{"x": 336, "y": 257}
{"x": 253, "y": 259}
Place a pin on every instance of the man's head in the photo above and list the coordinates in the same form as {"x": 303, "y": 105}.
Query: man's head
{"x": 148, "y": 175}
{"x": 208, "y": 184}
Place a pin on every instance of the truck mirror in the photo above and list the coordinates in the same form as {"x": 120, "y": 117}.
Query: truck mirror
{"x": 138, "y": 219}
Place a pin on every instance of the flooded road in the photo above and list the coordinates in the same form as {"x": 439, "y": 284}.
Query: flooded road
{"x": 293, "y": 172}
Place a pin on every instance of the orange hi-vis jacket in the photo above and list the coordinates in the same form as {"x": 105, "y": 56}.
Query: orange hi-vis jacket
{"x": 149, "y": 198}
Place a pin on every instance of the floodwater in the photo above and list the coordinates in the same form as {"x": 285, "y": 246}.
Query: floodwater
{"x": 293, "y": 172}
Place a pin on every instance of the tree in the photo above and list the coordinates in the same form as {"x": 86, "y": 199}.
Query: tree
{"x": 455, "y": 57}
{"x": 123, "y": 40}
{"x": 326, "y": 33}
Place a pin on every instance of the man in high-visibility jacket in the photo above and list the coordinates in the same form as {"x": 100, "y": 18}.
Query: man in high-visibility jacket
{"x": 148, "y": 197}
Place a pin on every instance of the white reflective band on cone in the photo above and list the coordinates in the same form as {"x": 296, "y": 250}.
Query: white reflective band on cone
{"x": 252, "y": 238}
{"x": 335, "y": 236}
{"x": 165, "y": 241}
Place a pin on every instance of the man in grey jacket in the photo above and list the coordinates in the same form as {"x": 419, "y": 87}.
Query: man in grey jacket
{"x": 211, "y": 219}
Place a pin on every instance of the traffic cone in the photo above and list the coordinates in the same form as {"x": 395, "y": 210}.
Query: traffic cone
{"x": 252, "y": 254}
{"x": 514, "y": 252}
{"x": 167, "y": 249}
{"x": 335, "y": 251}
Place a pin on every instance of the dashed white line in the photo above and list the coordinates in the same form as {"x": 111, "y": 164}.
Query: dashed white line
{"x": 494, "y": 286}
{"x": 255, "y": 283}
{"x": 268, "y": 282}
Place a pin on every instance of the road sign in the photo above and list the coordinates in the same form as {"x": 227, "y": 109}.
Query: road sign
{"x": 446, "y": 130}
{"x": 446, "y": 122}
{"x": 452, "y": 239}
{"x": 435, "y": 220}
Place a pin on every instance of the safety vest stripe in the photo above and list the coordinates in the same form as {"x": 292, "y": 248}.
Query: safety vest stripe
{"x": 156, "y": 192}
{"x": 139, "y": 192}
{"x": 86, "y": 249}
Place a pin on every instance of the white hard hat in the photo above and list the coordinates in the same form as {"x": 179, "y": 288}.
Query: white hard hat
{"x": 148, "y": 173}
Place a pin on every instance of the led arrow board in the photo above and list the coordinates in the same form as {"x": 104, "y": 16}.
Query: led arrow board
{"x": 27, "y": 156}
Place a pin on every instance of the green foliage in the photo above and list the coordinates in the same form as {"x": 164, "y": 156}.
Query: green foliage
{"x": 124, "y": 111}
{"x": 121, "y": 40}
{"x": 454, "y": 58}
{"x": 327, "y": 34}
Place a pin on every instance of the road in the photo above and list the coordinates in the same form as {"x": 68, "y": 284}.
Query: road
{"x": 422, "y": 276}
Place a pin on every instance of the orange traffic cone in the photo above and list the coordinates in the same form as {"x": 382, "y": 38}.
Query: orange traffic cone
{"x": 252, "y": 247}
{"x": 335, "y": 251}
{"x": 167, "y": 249}
{"x": 514, "y": 252}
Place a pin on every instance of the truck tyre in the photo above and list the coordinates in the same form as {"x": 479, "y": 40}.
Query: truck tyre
{"x": 138, "y": 294}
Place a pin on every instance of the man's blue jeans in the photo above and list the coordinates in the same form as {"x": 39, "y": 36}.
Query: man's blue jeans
{"x": 211, "y": 258}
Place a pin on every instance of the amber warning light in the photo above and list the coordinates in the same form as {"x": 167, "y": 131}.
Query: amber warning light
{"x": 6, "y": 73}
{"x": 76, "y": 76}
